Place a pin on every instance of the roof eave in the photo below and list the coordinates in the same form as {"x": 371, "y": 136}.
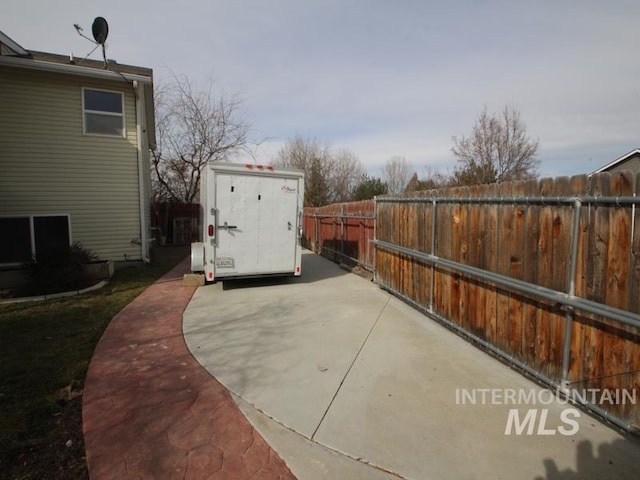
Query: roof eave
{"x": 72, "y": 70}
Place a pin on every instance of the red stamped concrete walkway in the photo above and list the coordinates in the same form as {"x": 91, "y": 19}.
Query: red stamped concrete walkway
{"x": 151, "y": 411}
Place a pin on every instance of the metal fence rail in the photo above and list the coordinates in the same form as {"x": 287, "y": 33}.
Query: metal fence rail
{"x": 545, "y": 274}
{"x": 445, "y": 250}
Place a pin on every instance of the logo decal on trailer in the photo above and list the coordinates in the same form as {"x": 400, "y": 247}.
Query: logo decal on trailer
{"x": 288, "y": 189}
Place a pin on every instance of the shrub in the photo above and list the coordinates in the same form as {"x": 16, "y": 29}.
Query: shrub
{"x": 60, "y": 270}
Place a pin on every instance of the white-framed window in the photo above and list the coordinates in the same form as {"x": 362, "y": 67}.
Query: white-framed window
{"x": 29, "y": 237}
{"x": 103, "y": 112}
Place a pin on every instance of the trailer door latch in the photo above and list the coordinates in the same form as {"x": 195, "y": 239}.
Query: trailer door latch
{"x": 228, "y": 227}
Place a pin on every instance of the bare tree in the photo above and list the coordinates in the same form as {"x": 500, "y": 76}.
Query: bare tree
{"x": 396, "y": 173}
{"x": 344, "y": 173}
{"x": 193, "y": 127}
{"x": 311, "y": 156}
{"x": 299, "y": 152}
{"x": 330, "y": 175}
{"x": 435, "y": 178}
{"x": 498, "y": 150}
{"x": 432, "y": 179}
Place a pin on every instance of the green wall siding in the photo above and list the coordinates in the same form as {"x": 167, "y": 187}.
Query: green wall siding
{"x": 47, "y": 165}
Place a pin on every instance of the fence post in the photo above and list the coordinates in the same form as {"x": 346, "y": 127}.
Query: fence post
{"x": 315, "y": 231}
{"x": 375, "y": 232}
{"x": 568, "y": 328}
{"x": 432, "y": 280}
{"x": 342, "y": 231}
{"x": 361, "y": 239}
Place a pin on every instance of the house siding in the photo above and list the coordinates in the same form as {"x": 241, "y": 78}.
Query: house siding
{"x": 631, "y": 164}
{"x": 48, "y": 166}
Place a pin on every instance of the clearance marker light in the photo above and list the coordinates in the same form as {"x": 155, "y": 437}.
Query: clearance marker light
{"x": 211, "y": 230}
{"x": 259, "y": 166}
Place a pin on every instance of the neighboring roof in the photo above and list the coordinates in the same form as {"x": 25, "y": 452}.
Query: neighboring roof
{"x": 10, "y": 47}
{"x": 622, "y": 159}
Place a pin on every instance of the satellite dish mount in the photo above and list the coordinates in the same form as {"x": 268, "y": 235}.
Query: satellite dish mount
{"x": 100, "y": 31}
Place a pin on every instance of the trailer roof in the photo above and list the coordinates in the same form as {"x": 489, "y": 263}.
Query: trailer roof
{"x": 251, "y": 167}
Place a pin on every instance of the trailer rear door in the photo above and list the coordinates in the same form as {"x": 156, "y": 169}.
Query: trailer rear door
{"x": 257, "y": 224}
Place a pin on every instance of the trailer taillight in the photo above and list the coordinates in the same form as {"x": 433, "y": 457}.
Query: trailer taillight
{"x": 211, "y": 232}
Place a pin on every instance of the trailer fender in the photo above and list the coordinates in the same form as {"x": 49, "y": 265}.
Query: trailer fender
{"x": 197, "y": 257}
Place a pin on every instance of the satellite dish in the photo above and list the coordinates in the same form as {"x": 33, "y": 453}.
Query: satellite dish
{"x": 100, "y": 30}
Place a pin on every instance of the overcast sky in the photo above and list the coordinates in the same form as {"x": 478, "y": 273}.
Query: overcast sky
{"x": 382, "y": 78}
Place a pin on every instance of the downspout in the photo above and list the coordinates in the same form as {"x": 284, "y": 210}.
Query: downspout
{"x": 144, "y": 240}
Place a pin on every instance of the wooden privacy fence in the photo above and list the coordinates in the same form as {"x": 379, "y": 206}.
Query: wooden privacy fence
{"x": 544, "y": 273}
{"x": 342, "y": 232}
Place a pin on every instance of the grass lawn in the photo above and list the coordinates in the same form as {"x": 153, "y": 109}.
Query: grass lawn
{"x": 45, "y": 350}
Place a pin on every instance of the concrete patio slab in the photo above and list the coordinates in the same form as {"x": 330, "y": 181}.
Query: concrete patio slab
{"x": 266, "y": 344}
{"x": 350, "y": 369}
{"x": 312, "y": 460}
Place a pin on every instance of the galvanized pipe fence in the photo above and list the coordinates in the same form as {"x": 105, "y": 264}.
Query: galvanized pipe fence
{"x": 549, "y": 283}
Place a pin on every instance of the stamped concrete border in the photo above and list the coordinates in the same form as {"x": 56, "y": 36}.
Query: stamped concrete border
{"x": 151, "y": 411}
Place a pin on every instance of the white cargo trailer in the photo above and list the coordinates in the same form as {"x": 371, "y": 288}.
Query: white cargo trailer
{"x": 251, "y": 221}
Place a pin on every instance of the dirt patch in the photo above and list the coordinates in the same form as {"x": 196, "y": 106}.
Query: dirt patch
{"x": 357, "y": 270}
{"x": 59, "y": 454}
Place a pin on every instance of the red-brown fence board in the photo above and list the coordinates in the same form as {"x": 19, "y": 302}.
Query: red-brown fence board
{"x": 341, "y": 232}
